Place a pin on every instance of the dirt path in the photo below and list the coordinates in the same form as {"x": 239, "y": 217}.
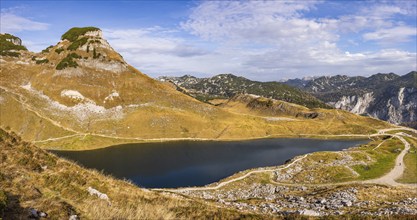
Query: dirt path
{"x": 397, "y": 171}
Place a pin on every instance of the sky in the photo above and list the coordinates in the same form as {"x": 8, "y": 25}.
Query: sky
{"x": 260, "y": 40}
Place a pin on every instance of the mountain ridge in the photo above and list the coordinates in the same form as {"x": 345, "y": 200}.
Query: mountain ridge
{"x": 96, "y": 100}
{"x": 387, "y": 96}
{"x": 226, "y": 86}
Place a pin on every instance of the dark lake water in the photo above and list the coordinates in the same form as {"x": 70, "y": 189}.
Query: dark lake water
{"x": 196, "y": 163}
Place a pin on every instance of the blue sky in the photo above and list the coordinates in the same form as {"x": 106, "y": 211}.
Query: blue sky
{"x": 262, "y": 40}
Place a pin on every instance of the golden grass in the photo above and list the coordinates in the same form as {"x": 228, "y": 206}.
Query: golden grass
{"x": 33, "y": 178}
{"x": 162, "y": 112}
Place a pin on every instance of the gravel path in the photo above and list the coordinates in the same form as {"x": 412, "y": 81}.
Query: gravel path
{"x": 397, "y": 171}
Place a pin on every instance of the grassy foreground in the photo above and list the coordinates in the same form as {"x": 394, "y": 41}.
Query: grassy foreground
{"x": 32, "y": 178}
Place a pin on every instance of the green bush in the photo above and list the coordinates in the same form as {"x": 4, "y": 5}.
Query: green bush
{"x": 9, "y": 54}
{"x": 42, "y": 61}
{"x": 78, "y": 43}
{"x": 68, "y": 61}
{"x": 73, "y": 33}
{"x": 59, "y": 50}
{"x": 95, "y": 54}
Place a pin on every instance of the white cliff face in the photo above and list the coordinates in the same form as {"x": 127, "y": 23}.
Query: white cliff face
{"x": 401, "y": 95}
{"x": 363, "y": 103}
{"x": 354, "y": 104}
{"x": 402, "y": 107}
{"x": 16, "y": 41}
{"x": 97, "y": 33}
{"x": 101, "y": 44}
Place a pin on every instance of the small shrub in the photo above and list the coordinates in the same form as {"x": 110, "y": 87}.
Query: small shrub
{"x": 9, "y": 54}
{"x": 68, "y": 61}
{"x": 59, "y": 50}
{"x": 42, "y": 61}
{"x": 78, "y": 43}
{"x": 95, "y": 54}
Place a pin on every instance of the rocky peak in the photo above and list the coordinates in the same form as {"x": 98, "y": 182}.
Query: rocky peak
{"x": 85, "y": 47}
{"x": 77, "y": 33}
{"x": 97, "y": 33}
{"x": 15, "y": 40}
{"x": 9, "y": 45}
{"x": 383, "y": 76}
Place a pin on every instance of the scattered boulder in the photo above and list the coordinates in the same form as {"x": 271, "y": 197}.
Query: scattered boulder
{"x": 100, "y": 195}
{"x": 308, "y": 212}
{"x": 36, "y": 214}
{"x": 74, "y": 217}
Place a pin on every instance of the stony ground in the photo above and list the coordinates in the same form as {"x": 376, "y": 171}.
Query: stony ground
{"x": 261, "y": 191}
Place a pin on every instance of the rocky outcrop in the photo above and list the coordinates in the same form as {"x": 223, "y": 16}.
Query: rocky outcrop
{"x": 15, "y": 41}
{"x": 398, "y": 106}
{"x": 303, "y": 200}
{"x": 388, "y": 97}
{"x": 354, "y": 104}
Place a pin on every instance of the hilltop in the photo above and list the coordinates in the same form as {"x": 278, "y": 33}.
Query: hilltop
{"x": 81, "y": 94}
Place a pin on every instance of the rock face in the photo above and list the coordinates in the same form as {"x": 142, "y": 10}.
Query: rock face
{"x": 388, "y": 97}
{"x": 15, "y": 41}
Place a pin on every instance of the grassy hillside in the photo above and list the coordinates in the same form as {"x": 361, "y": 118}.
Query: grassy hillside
{"x": 88, "y": 97}
{"x": 32, "y": 178}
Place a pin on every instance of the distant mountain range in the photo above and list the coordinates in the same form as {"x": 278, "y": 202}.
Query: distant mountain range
{"x": 388, "y": 96}
{"x": 225, "y": 86}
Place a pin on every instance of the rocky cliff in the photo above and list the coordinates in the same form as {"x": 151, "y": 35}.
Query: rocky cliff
{"x": 385, "y": 96}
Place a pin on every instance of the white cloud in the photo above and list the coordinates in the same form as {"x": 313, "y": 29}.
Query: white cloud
{"x": 11, "y": 23}
{"x": 271, "y": 21}
{"x": 269, "y": 40}
{"x": 390, "y": 35}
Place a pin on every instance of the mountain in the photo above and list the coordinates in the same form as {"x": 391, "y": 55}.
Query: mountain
{"x": 10, "y": 45}
{"x": 81, "y": 94}
{"x": 385, "y": 96}
{"x": 225, "y": 86}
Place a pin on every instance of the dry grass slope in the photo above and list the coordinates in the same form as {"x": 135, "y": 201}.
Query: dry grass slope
{"x": 32, "y": 178}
